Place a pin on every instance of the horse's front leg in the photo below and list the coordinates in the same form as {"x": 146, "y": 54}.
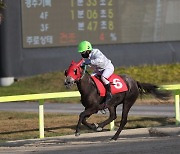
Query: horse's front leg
{"x": 79, "y": 123}
{"x": 92, "y": 126}
{"x": 112, "y": 116}
{"x": 82, "y": 119}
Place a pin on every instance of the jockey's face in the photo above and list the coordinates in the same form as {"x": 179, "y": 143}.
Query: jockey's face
{"x": 85, "y": 54}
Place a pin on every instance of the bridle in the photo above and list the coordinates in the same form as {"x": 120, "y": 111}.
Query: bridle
{"x": 75, "y": 72}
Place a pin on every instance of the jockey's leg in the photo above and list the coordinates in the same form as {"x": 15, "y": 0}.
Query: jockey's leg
{"x": 108, "y": 90}
{"x": 108, "y": 93}
{"x": 104, "y": 77}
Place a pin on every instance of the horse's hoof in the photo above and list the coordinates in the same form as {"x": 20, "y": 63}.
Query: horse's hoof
{"x": 77, "y": 134}
{"x": 99, "y": 129}
{"x": 113, "y": 139}
{"x": 96, "y": 125}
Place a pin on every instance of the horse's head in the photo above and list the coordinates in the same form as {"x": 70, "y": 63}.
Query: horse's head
{"x": 73, "y": 73}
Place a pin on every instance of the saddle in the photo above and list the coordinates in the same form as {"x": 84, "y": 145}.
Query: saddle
{"x": 117, "y": 84}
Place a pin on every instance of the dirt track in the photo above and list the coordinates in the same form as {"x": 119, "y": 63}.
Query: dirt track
{"x": 136, "y": 141}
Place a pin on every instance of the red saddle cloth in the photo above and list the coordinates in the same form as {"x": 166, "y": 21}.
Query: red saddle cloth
{"x": 117, "y": 85}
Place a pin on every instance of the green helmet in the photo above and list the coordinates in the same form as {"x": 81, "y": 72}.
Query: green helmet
{"x": 84, "y": 46}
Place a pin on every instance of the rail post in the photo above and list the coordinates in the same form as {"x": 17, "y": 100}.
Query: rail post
{"x": 176, "y": 92}
{"x": 41, "y": 119}
{"x": 176, "y": 97}
{"x": 112, "y": 126}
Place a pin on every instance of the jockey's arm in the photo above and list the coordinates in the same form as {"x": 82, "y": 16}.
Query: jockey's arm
{"x": 97, "y": 61}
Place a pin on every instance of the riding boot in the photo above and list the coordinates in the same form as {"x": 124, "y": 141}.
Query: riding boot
{"x": 108, "y": 93}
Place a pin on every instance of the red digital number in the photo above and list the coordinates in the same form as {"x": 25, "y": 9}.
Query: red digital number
{"x": 102, "y": 37}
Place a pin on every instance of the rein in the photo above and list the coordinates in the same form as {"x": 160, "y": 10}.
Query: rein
{"x": 84, "y": 71}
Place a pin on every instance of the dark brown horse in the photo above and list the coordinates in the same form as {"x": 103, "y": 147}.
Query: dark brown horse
{"x": 92, "y": 102}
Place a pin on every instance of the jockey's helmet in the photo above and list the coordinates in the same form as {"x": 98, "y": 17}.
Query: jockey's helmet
{"x": 84, "y": 46}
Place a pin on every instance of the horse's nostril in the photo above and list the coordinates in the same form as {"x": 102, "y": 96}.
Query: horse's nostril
{"x": 67, "y": 82}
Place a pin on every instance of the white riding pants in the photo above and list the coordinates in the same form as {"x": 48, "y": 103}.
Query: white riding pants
{"x": 106, "y": 73}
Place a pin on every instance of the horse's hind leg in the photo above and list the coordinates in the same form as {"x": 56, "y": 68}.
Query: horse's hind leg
{"x": 125, "y": 111}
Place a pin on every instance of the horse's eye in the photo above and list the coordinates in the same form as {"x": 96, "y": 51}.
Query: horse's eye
{"x": 75, "y": 71}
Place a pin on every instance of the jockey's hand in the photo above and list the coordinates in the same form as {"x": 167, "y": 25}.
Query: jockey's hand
{"x": 87, "y": 62}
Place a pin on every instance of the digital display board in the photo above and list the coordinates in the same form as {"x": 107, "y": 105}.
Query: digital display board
{"x": 67, "y": 22}
{"x": 55, "y": 23}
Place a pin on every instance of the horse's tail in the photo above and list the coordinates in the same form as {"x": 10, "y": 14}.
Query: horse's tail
{"x": 148, "y": 88}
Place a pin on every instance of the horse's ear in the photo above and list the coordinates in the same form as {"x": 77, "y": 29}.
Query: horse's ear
{"x": 80, "y": 62}
{"x": 65, "y": 72}
{"x": 72, "y": 62}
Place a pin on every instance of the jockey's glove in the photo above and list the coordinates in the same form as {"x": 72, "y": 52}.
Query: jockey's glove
{"x": 87, "y": 62}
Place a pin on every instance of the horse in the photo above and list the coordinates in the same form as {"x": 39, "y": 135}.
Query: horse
{"x": 93, "y": 102}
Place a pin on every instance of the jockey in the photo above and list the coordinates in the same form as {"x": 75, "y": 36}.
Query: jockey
{"x": 101, "y": 64}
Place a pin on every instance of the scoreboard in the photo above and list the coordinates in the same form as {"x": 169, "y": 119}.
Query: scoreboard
{"x": 66, "y": 22}
{"x": 56, "y": 23}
